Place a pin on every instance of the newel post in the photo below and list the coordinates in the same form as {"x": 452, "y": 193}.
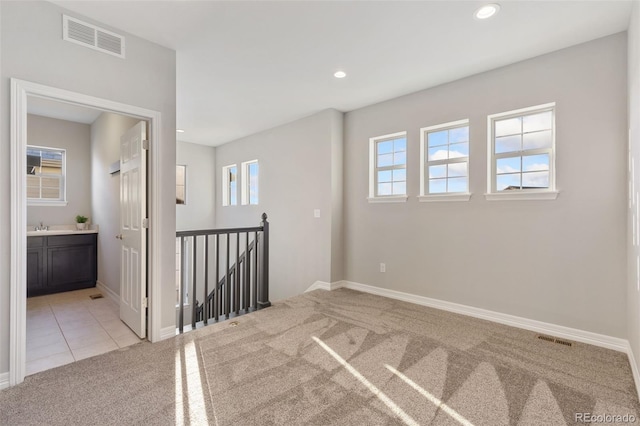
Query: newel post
{"x": 263, "y": 294}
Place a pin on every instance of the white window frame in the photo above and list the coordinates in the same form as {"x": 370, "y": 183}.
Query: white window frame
{"x": 62, "y": 201}
{"x": 550, "y": 193}
{"x": 373, "y": 169}
{"x": 425, "y": 196}
{"x": 246, "y": 183}
{"x": 226, "y": 185}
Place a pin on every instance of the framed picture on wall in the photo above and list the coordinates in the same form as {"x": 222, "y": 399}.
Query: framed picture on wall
{"x": 181, "y": 184}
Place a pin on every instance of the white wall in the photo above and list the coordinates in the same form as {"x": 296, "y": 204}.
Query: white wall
{"x": 199, "y": 212}
{"x": 633, "y": 287}
{"x": 74, "y": 137}
{"x": 105, "y": 193}
{"x": 31, "y": 48}
{"x": 561, "y": 261}
{"x": 298, "y": 167}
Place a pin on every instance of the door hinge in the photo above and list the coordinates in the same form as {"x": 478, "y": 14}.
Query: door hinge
{"x": 145, "y": 223}
{"x": 144, "y": 302}
{"x": 145, "y": 144}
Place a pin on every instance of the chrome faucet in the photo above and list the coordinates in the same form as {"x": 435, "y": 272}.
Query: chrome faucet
{"x": 42, "y": 227}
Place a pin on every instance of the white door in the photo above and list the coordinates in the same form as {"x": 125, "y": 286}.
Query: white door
{"x": 133, "y": 235}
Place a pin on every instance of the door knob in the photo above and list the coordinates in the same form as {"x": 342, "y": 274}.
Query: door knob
{"x": 119, "y": 237}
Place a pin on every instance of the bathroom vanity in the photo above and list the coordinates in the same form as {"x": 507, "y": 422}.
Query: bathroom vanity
{"x": 61, "y": 260}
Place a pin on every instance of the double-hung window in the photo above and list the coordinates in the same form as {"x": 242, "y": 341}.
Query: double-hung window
{"x": 444, "y": 167}
{"x": 388, "y": 168}
{"x": 46, "y": 169}
{"x": 522, "y": 154}
{"x": 230, "y": 185}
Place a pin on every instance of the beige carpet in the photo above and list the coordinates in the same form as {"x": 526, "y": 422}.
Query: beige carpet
{"x": 333, "y": 358}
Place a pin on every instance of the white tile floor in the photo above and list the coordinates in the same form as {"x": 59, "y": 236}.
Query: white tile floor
{"x": 67, "y": 327}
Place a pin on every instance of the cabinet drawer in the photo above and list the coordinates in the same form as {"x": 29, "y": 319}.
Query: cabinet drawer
{"x": 71, "y": 240}
{"x": 35, "y": 242}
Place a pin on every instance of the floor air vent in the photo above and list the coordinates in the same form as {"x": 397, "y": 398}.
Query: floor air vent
{"x": 93, "y": 37}
{"x": 96, "y": 296}
{"x": 554, "y": 340}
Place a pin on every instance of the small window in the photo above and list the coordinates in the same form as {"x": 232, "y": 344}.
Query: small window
{"x": 388, "y": 167}
{"x": 250, "y": 182}
{"x": 181, "y": 184}
{"x": 445, "y": 159}
{"x": 230, "y": 185}
{"x": 522, "y": 147}
{"x": 45, "y": 175}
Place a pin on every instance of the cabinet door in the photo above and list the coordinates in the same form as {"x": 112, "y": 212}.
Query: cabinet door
{"x": 71, "y": 266}
{"x": 35, "y": 271}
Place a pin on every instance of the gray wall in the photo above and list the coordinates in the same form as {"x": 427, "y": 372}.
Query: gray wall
{"x": 633, "y": 294}
{"x": 74, "y": 137}
{"x": 105, "y": 193}
{"x": 560, "y": 261}
{"x": 298, "y": 168}
{"x": 199, "y": 212}
{"x": 31, "y": 48}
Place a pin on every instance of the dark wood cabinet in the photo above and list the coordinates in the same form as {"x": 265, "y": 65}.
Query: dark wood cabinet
{"x": 59, "y": 263}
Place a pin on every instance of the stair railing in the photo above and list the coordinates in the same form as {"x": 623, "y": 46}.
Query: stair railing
{"x": 240, "y": 259}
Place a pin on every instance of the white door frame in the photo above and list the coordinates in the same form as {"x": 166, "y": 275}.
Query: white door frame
{"x": 20, "y": 89}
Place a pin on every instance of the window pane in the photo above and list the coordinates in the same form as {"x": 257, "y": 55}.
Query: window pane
{"x": 400, "y": 174}
{"x": 537, "y": 140}
{"x": 385, "y": 160}
{"x": 437, "y": 171}
{"x": 535, "y": 122}
{"x": 384, "y": 176}
{"x": 400, "y": 145}
{"x": 535, "y": 163}
{"x": 458, "y": 169}
{"x": 399, "y": 158}
{"x": 510, "y": 126}
{"x": 51, "y": 193}
{"x": 508, "y": 144}
{"x": 535, "y": 180}
{"x": 459, "y": 150}
{"x": 385, "y": 147}
{"x": 508, "y": 165}
{"x": 457, "y": 184}
{"x": 399, "y": 188}
{"x": 50, "y": 182}
{"x": 437, "y": 186}
{"x": 461, "y": 134}
{"x": 439, "y": 153}
{"x": 253, "y": 183}
{"x": 508, "y": 182}
{"x": 33, "y": 192}
{"x": 438, "y": 138}
{"x": 384, "y": 189}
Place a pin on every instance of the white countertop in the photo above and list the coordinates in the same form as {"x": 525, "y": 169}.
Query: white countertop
{"x": 61, "y": 230}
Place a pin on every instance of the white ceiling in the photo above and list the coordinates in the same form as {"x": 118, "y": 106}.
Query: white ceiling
{"x": 243, "y": 67}
{"x": 61, "y": 110}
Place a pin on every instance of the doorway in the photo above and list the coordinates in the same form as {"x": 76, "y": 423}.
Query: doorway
{"x": 21, "y": 91}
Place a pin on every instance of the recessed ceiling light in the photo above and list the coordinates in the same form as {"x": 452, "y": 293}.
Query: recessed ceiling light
{"x": 487, "y": 11}
{"x": 179, "y": 131}
{"x": 340, "y": 74}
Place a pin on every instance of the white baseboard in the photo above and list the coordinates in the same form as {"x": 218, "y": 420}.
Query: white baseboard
{"x": 4, "y": 380}
{"x": 615, "y": 343}
{"x": 167, "y": 332}
{"x": 108, "y": 292}
{"x": 634, "y": 367}
{"x": 323, "y": 285}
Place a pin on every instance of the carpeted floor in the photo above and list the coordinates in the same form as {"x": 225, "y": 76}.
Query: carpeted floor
{"x": 334, "y": 358}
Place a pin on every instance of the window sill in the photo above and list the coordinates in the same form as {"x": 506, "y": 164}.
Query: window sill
{"x": 390, "y": 199}
{"x": 524, "y": 195}
{"x": 46, "y": 203}
{"x": 444, "y": 197}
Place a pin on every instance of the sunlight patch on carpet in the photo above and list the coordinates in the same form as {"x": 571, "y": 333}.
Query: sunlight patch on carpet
{"x": 406, "y": 419}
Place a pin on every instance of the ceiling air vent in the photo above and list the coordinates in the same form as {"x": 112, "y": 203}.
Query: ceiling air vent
{"x": 93, "y": 37}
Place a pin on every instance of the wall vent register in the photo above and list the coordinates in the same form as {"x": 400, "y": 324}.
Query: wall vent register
{"x": 93, "y": 37}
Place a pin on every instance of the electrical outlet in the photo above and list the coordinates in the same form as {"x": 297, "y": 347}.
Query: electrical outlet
{"x": 383, "y": 267}
{"x": 316, "y": 213}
